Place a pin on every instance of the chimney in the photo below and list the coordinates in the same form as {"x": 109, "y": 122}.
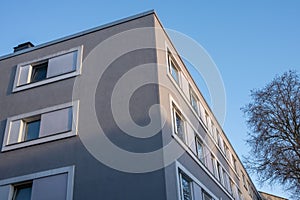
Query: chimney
{"x": 23, "y": 46}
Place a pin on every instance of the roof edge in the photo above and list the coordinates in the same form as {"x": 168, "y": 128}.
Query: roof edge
{"x": 107, "y": 25}
{"x": 272, "y": 195}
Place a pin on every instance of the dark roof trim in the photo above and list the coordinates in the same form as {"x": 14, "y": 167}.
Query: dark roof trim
{"x": 79, "y": 34}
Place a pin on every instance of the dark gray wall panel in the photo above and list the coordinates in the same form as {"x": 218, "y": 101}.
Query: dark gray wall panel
{"x": 93, "y": 179}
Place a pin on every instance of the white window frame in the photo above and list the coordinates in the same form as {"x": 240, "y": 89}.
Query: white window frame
{"x": 26, "y": 121}
{"x": 181, "y": 168}
{"x": 221, "y": 143}
{"x": 193, "y": 153}
{"x": 176, "y": 111}
{"x": 181, "y": 175}
{"x": 16, "y": 187}
{"x": 199, "y": 140}
{"x": 70, "y": 170}
{"x": 203, "y": 115}
{"x": 227, "y": 181}
{"x": 231, "y": 184}
{"x": 205, "y": 193}
{"x": 194, "y": 96}
{"x": 220, "y": 173}
{"x": 244, "y": 181}
{"x": 227, "y": 151}
{"x": 214, "y": 166}
{"x": 214, "y": 132}
{"x": 234, "y": 163}
{"x": 240, "y": 195}
{"x": 72, "y": 132}
{"x": 207, "y": 121}
{"x": 248, "y": 186}
{"x": 76, "y": 72}
{"x": 171, "y": 61}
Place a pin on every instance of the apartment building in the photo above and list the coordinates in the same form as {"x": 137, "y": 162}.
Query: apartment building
{"x": 55, "y": 96}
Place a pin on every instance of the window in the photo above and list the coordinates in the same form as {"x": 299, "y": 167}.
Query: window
{"x": 244, "y": 181}
{"x": 202, "y": 112}
{"x": 200, "y": 149}
{"x": 178, "y": 124}
{"x": 234, "y": 163}
{"x": 248, "y": 186}
{"x": 220, "y": 142}
{"x": 226, "y": 180}
{"x": 173, "y": 69}
{"x": 22, "y": 191}
{"x": 41, "y": 126}
{"x": 39, "y": 72}
{"x": 207, "y": 119}
{"x": 219, "y": 139}
{"x": 251, "y": 191}
{"x": 54, "y": 184}
{"x": 231, "y": 187}
{"x": 206, "y": 196}
{"x": 185, "y": 187}
{"x": 48, "y": 69}
{"x": 240, "y": 195}
{"x": 214, "y": 131}
{"x": 213, "y": 165}
{"x": 194, "y": 101}
{"x": 219, "y": 168}
{"x": 227, "y": 152}
{"x": 32, "y": 128}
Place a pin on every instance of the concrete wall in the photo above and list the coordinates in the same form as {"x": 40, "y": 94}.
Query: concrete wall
{"x": 168, "y": 91}
{"x": 93, "y": 179}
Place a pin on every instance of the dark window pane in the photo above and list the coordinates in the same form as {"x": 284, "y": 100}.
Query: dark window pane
{"x": 213, "y": 160}
{"x": 32, "y": 130}
{"x": 23, "y": 192}
{"x": 39, "y": 72}
{"x": 194, "y": 103}
{"x": 186, "y": 189}
{"x": 206, "y": 196}
{"x": 174, "y": 72}
{"x": 179, "y": 126}
{"x": 200, "y": 150}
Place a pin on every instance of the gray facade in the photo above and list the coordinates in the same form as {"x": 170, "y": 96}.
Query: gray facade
{"x": 62, "y": 157}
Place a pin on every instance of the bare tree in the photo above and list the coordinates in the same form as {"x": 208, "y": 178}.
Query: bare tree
{"x": 273, "y": 116}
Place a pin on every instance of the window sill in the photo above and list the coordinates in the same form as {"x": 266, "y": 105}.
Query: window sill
{"x": 46, "y": 81}
{"x": 38, "y": 141}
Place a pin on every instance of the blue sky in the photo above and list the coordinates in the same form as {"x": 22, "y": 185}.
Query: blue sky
{"x": 250, "y": 41}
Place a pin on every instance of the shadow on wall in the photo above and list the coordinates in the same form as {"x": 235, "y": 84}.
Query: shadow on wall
{"x": 11, "y": 80}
